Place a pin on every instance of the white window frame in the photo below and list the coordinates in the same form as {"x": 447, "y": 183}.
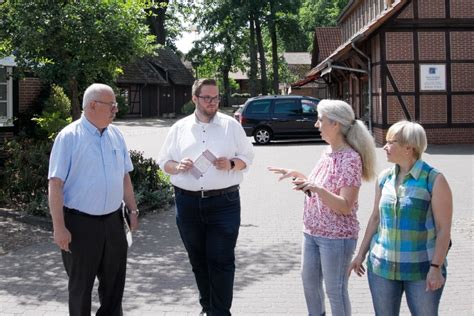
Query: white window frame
{"x": 8, "y": 120}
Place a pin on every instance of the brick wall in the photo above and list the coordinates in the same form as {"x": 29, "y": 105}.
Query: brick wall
{"x": 29, "y": 89}
{"x": 433, "y": 109}
{"x": 462, "y": 108}
{"x": 462, "y": 77}
{"x": 462, "y": 9}
{"x": 399, "y": 46}
{"x": 462, "y": 45}
{"x": 432, "y": 9}
{"x": 407, "y": 13}
{"x": 432, "y": 45}
{"x": 404, "y": 77}
{"x": 438, "y": 136}
{"x": 395, "y": 110}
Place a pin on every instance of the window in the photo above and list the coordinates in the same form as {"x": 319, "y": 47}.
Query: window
{"x": 291, "y": 107}
{"x": 259, "y": 107}
{"x": 309, "y": 107}
{"x": 6, "y": 94}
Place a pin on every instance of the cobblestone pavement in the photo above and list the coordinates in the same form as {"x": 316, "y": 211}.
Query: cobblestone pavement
{"x": 159, "y": 278}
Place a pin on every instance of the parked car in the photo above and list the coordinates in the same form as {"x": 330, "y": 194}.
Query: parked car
{"x": 269, "y": 118}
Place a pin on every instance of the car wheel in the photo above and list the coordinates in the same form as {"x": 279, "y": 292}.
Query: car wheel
{"x": 262, "y": 135}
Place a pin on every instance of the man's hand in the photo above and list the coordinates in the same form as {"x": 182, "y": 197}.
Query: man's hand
{"x": 222, "y": 163}
{"x": 62, "y": 238}
{"x": 184, "y": 165}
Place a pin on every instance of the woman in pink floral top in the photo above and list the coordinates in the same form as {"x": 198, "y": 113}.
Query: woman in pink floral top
{"x": 330, "y": 208}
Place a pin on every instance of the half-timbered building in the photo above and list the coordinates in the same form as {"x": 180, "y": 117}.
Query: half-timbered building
{"x": 405, "y": 59}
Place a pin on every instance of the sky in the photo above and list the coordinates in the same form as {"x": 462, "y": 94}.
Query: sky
{"x": 185, "y": 43}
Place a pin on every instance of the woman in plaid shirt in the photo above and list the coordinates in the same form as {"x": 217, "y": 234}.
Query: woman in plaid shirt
{"x": 408, "y": 233}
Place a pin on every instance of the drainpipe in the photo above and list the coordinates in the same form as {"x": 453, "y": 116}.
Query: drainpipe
{"x": 369, "y": 74}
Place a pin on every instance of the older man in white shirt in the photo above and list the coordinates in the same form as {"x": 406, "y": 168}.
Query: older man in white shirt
{"x": 206, "y": 154}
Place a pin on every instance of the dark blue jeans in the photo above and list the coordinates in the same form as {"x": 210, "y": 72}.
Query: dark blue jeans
{"x": 209, "y": 228}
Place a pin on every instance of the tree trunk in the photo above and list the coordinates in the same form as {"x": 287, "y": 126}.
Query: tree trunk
{"x": 75, "y": 102}
{"x": 263, "y": 62}
{"x": 273, "y": 37}
{"x": 253, "y": 59}
{"x": 157, "y": 21}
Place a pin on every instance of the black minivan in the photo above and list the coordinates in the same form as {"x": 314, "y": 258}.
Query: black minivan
{"x": 269, "y": 118}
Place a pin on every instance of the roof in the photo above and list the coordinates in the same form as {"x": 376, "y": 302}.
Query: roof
{"x": 163, "y": 69}
{"x": 347, "y": 46}
{"x": 326, "y": 40}
{"x": 299, "y": 63}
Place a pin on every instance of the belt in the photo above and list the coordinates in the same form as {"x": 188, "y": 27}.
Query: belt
{"x": 77, "y": 212}
{"x": 209, "y": 193}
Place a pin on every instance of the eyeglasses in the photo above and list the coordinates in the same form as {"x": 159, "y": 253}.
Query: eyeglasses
{"x": 209, "y": 99}
{"x": 113, "y": 105}
{"x": 391, "y": 142}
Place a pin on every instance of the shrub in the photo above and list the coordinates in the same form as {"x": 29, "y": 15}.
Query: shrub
{"x": 188, "y": 108}
{"x": 152, "y": 187}
{"x": 24, "y": 178}
{"x": 56, "y": 113}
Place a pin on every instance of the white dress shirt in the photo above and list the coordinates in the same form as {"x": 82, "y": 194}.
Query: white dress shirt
{"x": 223, "y": 136}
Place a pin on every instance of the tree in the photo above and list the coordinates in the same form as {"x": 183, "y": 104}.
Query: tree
{"x": 74, "y": 43}
{"x": 314, "y": 13}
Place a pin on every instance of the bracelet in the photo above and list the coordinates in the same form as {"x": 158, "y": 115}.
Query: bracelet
{"x": 434, "y": 265}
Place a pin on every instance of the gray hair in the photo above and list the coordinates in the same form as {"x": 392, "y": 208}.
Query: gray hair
{"x": 93, "y": 92}
{"x": 354, "y": 131}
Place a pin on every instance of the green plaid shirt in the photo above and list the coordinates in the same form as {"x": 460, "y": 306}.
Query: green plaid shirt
{"x": 404, "y": 243}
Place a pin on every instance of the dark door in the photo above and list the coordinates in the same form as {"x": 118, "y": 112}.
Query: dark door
{"x": 287, "y": 117}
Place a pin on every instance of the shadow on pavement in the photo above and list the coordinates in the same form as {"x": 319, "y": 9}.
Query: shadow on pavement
{"x": 461, "y": 149}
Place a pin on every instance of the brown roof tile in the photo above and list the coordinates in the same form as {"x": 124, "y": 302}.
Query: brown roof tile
{"x": 326, "y": 40}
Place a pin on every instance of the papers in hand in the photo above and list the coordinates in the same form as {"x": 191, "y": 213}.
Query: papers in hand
{"x": 202, "y": 163}
{"x": 126, "y": 225}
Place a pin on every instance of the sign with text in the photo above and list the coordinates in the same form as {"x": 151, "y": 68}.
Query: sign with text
{"x": 433, "y": 77}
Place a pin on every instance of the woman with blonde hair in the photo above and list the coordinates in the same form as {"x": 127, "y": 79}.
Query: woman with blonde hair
{"x": 330, "y": 208}
{"x": 408, "y": 233}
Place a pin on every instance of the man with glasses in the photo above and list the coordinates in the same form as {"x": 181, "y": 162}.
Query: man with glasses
{"x": 206, "y": 154}
{"x": 88, "y": 179}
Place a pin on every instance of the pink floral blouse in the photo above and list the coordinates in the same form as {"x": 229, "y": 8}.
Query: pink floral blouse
{"x": 333, "y": 172}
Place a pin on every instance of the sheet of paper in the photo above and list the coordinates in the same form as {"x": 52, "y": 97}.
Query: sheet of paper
{"x": 202, "y": 164}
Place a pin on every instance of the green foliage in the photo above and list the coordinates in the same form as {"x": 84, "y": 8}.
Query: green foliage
{"x": 24, "y": 178}
{"x": 56, "y": 113}
{"x": 188, "y": 108}
{"x": 315, "y": 13}
{"x": 123, "y": 107}
{"x": 74, "y": 43}
{"x": 152, "y": 187}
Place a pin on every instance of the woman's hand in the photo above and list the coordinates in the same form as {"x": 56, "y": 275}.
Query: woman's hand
{"x": 357, "y": 266}
{"x": 305, "y": 186}
{"x": 434, "y": 279}
{"x": 286, "y": 173}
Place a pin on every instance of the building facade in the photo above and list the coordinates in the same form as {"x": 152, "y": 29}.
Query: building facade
{"x": 406, "y": 59}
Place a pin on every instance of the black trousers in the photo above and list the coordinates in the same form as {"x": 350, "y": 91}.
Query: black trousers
{"x": 98, "y": 249}
{"x": 209, "y": 228}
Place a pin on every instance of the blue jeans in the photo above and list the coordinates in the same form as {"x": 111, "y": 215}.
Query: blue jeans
{"x": 209, "y": 228}
{"x": 326, "y": 259}
{"x": 387, "y": 296}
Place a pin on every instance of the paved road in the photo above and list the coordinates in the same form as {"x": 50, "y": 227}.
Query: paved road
{"x": 160, "y": 282}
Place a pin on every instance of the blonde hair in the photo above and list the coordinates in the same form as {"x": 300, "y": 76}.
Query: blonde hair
{"x": 409, "y": 134}
{"x": 355, "y": 133}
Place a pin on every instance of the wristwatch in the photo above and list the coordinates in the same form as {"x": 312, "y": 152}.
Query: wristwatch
{"x": 137, "y": 212}
{"x": 232, "y": 164}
